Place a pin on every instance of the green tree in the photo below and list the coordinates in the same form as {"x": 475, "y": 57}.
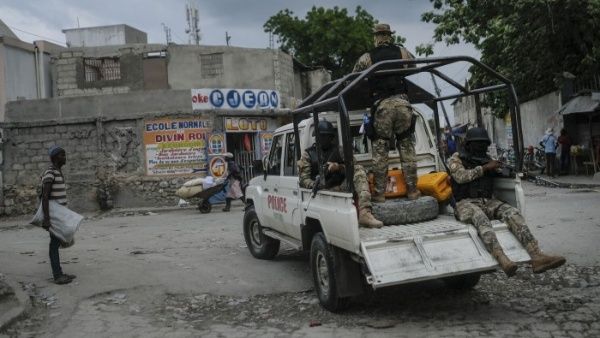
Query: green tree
{"x": 325, "y": 37}
{"x": 532, "y": 42}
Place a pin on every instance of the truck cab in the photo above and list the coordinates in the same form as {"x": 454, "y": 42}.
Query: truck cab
{"x": 345, "y": 258}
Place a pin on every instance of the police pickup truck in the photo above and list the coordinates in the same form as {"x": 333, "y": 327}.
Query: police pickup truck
{"x": 345, "y": 259}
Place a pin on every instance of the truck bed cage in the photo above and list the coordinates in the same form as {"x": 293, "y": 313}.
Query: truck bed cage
{"x": 352, "y": 93}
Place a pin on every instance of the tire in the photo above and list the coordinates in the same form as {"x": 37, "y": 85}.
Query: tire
{"x": 205, "y": 207}
{"x": 463, "y": 282}
{"x": 402, "y": 211}
{"x": 322, "y": 265}
{"x": 260, "y": 245}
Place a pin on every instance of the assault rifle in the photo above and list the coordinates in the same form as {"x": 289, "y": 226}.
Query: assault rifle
{"x": 505, "y": 169}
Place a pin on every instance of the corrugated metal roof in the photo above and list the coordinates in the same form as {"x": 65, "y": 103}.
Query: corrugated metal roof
{"x": 580, "y": 104}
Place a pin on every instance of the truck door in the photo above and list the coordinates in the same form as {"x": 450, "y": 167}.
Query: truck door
{"x": 271, "y": 205}
{"x": 289, "y": 188}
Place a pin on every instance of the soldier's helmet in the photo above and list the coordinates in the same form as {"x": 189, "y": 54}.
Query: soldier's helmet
{"x": 477, "y": 134}
{"x": 382, "y": 28}
{"x": 326, "y": 128}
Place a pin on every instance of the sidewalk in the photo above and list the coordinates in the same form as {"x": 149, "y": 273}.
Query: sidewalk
{"x": 569, "y": 181}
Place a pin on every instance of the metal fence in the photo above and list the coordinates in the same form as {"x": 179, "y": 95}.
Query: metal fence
{"x": 245, "y": 160}
{"x": 101, "y": 69}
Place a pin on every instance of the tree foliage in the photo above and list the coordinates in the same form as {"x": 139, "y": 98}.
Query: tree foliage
{"x": 532, "y": 42}
{"x": 325, "y": 37}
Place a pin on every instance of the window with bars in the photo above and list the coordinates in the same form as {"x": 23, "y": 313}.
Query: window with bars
{"x": 211, "y": 65}
{"x": 102, "y": 69}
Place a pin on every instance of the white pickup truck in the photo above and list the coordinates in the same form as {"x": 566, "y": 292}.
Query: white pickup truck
{"x": 346, "y": 258}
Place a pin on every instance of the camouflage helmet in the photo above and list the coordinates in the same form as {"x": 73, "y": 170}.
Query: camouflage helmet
{"x": 326, "y": 128}
{"x": 477, "y": 134}
{"x": 382, "y": 28}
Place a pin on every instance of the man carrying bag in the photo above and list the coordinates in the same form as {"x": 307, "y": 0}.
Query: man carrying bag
{"x": 54, "y": 198}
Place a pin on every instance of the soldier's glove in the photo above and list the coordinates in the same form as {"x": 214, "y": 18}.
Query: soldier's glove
{"x": 491, "y": 165}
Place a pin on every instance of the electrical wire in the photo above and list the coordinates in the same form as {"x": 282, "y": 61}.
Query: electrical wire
{"x": 39, "y": 36}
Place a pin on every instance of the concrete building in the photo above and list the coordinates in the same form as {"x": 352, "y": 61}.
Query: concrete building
{"x": 138, "y": 119}
{"x": 112, "y": 35}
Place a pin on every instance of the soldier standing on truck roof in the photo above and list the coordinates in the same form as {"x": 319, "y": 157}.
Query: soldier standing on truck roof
{"x": 472, "y": 175}
{"x": 308, "y": 169}
{"x": 392, "y": 114}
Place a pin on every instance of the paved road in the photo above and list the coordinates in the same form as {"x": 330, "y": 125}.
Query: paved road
{"x": 182, "y": 274}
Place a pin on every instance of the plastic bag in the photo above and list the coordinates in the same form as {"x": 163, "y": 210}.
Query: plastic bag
{"x": 64, "y": 221}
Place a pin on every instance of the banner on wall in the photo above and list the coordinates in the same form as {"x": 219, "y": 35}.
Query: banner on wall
{"x": 176, "y": 146}
{"x": 216, "y": 144}
{"x": 246, "y": 124}
{"x": 266, "y": 139}
{"x": 230, "y": 98}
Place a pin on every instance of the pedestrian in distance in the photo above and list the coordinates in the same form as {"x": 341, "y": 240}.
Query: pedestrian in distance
{"x": 54, "y": 188}
{"x": 391, "y": 114}
{"x": 234, "y": 188}
{"x": 549, "y": 144}
{"x": 565, "y": 151}
{"x": 472, "y": 173}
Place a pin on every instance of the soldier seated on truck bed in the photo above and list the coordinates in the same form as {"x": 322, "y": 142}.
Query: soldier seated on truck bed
{"x": 308, "y": 169}
{"x": 472, "y": 173}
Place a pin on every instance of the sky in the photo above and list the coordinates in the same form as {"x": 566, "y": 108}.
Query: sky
{"x": 243, "y": 20}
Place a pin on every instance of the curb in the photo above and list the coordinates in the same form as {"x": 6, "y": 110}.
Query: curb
{"x": 25, "y": 305}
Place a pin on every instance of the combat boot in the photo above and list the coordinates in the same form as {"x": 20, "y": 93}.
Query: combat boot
{"x": 509, "y": 267}
{"x": 367, "y": 220}
{"x": 377, "y": 198}
{"x": 541, "y": 262}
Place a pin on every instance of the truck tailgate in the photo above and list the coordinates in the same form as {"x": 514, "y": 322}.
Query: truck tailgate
{"x": 441, "y": 247}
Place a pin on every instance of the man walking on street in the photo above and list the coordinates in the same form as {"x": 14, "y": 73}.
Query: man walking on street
{"x": 392, "y": 114}
{"x": 550, "y": 145}
{"x": 472, "y": 174}
{"x": 54, "y": 188}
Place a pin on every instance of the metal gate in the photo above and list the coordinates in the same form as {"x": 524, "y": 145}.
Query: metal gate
{"x": 245, "y": 160}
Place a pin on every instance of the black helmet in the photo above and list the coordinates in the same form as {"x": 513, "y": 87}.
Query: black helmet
{"x": 326, "y": 128}
{"x": 477, "y": 134}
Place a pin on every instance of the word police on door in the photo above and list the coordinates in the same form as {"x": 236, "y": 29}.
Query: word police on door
{"x": 241, "y": 99}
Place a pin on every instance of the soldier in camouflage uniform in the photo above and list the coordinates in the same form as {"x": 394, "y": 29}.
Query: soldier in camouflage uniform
{"x": 472, "y": 174}
{"x": 308, "y": 169}
{"x": 392, "y": 113}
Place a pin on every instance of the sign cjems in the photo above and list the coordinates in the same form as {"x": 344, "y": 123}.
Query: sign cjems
{"x": 228, "y": 98}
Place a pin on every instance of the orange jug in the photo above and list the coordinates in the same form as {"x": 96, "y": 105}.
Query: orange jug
{"x": 395, "y": 185}
{"x": 436, "y": 185}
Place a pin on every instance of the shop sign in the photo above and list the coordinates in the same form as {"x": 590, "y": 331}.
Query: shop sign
{"x": 217, "y": 166}
{"x": 240, "y": 99}
{"x": 216, "y": 144}
{"x": 245, "y": 124}
{"x": 176, "y": 146}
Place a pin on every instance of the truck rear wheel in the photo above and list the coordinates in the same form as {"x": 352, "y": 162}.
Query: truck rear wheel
{"x": 260, "y": 245}
{"x": 463, "y": 282}
{"x": 322, "y": 265}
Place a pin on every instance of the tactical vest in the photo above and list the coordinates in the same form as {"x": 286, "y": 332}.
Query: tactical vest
{"x": 483, "y": 187}
{"x": 386, "y": 85}
{"x": 331, "y": 155}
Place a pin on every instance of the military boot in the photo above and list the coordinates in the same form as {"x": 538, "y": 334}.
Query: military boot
{"x": 413, "y": 194}
{"x": 509, "y": 267}
{"x": 541, "y": 262}
{"x": 367, "y": 220}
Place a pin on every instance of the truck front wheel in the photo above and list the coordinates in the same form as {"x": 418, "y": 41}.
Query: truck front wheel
{"x": 260, "y": 245}
{"x": 322, "y": 265}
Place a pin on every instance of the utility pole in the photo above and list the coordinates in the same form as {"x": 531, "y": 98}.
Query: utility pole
{"x": 167, "y": 30}
{"x": 193, "y": 29}
{"x": 227, "y": 38}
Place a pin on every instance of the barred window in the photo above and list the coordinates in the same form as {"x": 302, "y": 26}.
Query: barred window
{"x": 102, "y": 69}
{"x": 211, "y": 65}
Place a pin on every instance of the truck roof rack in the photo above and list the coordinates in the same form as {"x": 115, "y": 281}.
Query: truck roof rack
{"x": 352, "y": 93}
